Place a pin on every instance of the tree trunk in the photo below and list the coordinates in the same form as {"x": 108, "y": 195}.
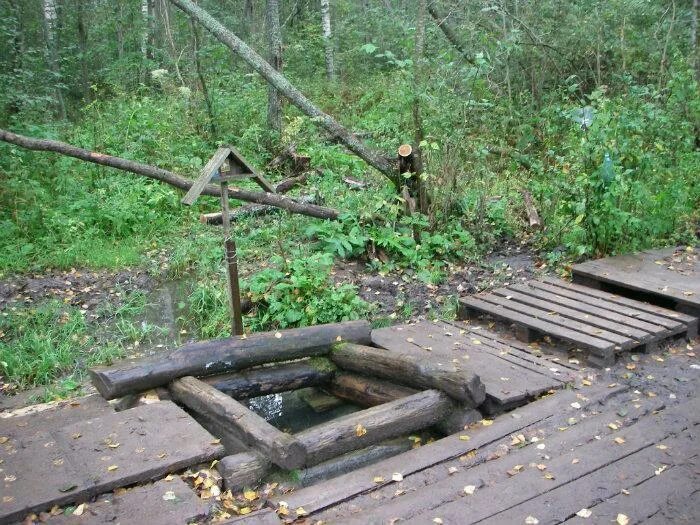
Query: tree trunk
{"x": 366, "y": 391}
{"x": 372, "y": 425}
{"x": 421, "y": 194}
{"x": 272, "y": 379}
{"x": 449, "y": 31}
{"x": 201, "y": 77}
{"x": 408, "y": 369}
{"x": 231, "y": 354}
{"x": 328, "y": 39}
{"x": 50, "y": 18}
{"x": 83, "y": 46}
{"x": 144, "y": 40}
{"x": 281, "y": 448}
{"x": 119, "y": 28}
{"x": 695, "y": 39}
{"x": 372, "y": 157}
{"x": 274, "y": 46}
{"x": 17, "y": 53}
{"x": 152, "y": 172}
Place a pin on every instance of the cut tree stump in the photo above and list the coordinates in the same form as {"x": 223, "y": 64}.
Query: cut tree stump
{"x": 281, "y": 448}
{"x": 86, "y": 458}
{"x": 372, "y": 425}
{"x": 275, "y": 378}
{"x": 214, "y": 357}
{"x": 412, "y": 370}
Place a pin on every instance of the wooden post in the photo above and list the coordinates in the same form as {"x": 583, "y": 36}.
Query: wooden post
{"x": 234, "y": 289}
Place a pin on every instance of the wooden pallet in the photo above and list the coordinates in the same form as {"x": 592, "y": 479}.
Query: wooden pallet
{"x": 512, "y": 376}
{"x": 596, "y": 321}
{"x": 670, "y": 277}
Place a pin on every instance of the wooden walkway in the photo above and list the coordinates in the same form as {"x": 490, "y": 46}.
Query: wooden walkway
{"x": 670, "y": 277}
{"x": 599, "y": 322}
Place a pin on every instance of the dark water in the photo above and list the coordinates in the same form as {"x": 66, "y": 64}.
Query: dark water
{"x": 290, "y": 412}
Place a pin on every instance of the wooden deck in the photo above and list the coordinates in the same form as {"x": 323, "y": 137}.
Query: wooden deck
{"x": 600, "y": 322}
{"x": 670, "y": 277}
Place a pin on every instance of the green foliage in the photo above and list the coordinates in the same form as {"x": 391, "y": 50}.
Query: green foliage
{"x": 301, "y": 292}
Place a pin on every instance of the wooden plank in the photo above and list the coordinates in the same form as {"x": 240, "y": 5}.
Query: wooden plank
{"x": 507, "y": 384}
{"x": 635, "y": 311}
{"x": 81, "y": 460}
{"x": 372, "y": 425}
{"x": 544, "y": 300}
{"x": 592, "y": 343}
{"x": 342, "y": 488}
{"x": 205, "y": 175}
{"x": 260, "y": 517}
{"x": 282, "y": 449}
{"x": 167, "y": 502}
{"x": 552, "y": 316}
{"x": 646, "y": 491}
{"x": 257, "y": 176}
{"x": 412, "y": 369}
{"x": 530, "y": 483}
{"x": 230, "y": 354}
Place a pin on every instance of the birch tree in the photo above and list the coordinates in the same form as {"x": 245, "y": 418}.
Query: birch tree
{"x": 328, "y": 39}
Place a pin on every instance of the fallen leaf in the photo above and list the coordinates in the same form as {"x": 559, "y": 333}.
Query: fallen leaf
{"x": 452, "y": 470}
{"x": 112, "y": 468}
{"x": 531, "y": 520}
{"x": 622, "y": 519}
{"x": 548, "y": 475}
{"x": 585, "y": 382}
{"x": 397, "y": 476}
{"x": 619, "y": 440}
{"x": 4, "y": 439}
{"x": 360, "y": 430}
{"x": 476, "y": 342}
{"x": 661, "y": 447}
{"x": 169, "y": 496}
{"x": 469, "y": 489}
{"x": 245, "y": 510}
{"x": 250, "y": 495}
{"x": 113, "y": 445}
{"x": 540, "y": 446}
{"x": 378, "y": 479}
{"x": 487, "y": 422}
{"x": 541, "y": 466}
{"x": 574, "y": 461}
{"x": 464, "y": 438}
{"x": 79, "y": 509}
{"x": 612, "y": 426}
{"x": 575, "y": 405}
{"x": 584, "y": 513}
{"x": 278, "y": 335}
{"x": 301, "y": 511}
{"x": 76, "y": 435}
{"x": 437, "y": 520}
{"x": 659, "y": 470}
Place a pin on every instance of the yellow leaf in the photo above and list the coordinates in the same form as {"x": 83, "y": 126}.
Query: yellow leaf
{"x": 79, "y": 509}
{"x": 244, "y": 510}
{"x": 586, "y": 382}
{"x": 476, "y": 342}
{"x": 301, "y": 512}
{"x": 487, "y": 422}
{"x": 113, "y": 445}
{"x": 549, "y": 475}
{"x": 584, "y": 513}
{"x": 661, "y": 447}
{"x": 4, "y": 439}
{"x": 212, "y": 442}
{"x": 469, "y": 489}
{"x": 464, "y": 437}
{"x": 619, "y": 440}
{"x": 622, "y": 519}
{"x": 112, "y": 468}
{"x": 378, "y": 479}
{"x": 250, "y": 495}
{"x": 612, "y": 426}
{"x": 360, "y": 430}
{"x": 574, "y": 461}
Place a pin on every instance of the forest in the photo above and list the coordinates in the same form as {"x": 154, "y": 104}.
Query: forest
{"x": 419, "y": 149}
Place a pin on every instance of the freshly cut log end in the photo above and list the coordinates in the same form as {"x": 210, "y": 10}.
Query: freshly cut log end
{"x": 405, "y": 150}
{"x": 214, "y": 357}
{"x": 412, "y": 370}
{"x": 281, "y": 448}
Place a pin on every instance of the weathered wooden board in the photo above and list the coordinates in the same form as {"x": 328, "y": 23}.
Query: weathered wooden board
{"x": 261, "y": 517}
{"x": 166, "y": 502}
{"x": 529, "y": 483}
{"x": 80, "y": 460}
{"x": 509, "y": 381}
{"x": 344, "y": 487}
{"x": 672, "y": 276}
{"x": 594, "y": 323}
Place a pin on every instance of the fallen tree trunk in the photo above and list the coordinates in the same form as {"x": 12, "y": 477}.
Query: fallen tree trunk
{"x": 408, "y": 369}
{"x": 366, "y": 391}
{"x": 281, "y": 448}
{"x": 275, "y": 378}
{"x": 159, "y": 174}
{"x": 449, "y": 31}
{"x": 372, "y": 425}
{"x": 532, "y": 216}
{"x": 216, "y": 217}
{"x": 280, "y": 82}
{"x": 235, "y": 353}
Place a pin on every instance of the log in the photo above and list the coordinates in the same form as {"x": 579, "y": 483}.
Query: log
{"x": 248, "y": 209}
{"x": 152, "y": 172}
{"x": 458, "y": 420}
{"x": 222, "y": 355}
{"x": 281, "y": 448}
{"x": 287, "y": 184}
{"x": 411, "y": 370}
{"x": 245, "y": 469}
{"x": 532, "y": 215}
{"x": 372, "y": 425}
{"x": 366, "y": 391}
{"x": 230, "y": 441}
{"x": 271, "y": 379}
{"x": 374, "y": 158}
{"x": 353, "y": 460}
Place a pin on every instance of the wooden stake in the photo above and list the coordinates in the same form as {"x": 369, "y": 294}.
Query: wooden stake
{"x": 231, "y": 266}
